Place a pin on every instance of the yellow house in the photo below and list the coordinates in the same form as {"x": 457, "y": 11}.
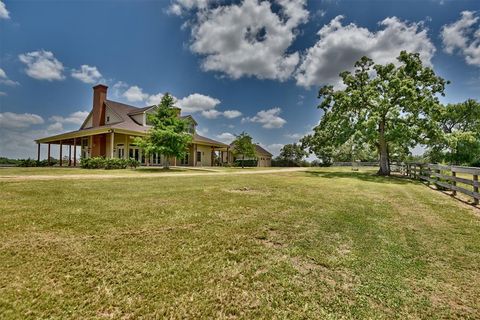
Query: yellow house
{"x": 109, "y": 130}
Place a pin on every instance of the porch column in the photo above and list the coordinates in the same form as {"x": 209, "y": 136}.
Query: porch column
{"x": 38, "y": 151}
{"x": 212, "y": 156}
{"x": 48, "y": 154}
{"x": 69, "y": 155}
{"x": 74, "y": 152}
{"x": 112, "y": 139}
{"x": 228, "y": 155}
{"x": 194, "y": 155}
{"x": 61, "y": 149}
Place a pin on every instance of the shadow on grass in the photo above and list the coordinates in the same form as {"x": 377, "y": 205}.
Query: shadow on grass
{"x": 359, "y": 175}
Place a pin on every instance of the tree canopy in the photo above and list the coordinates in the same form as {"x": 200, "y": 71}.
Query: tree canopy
{"x": 460, "y": 142}
{"x": 291, "y": 155}
{"x": 168, "y": 135}
{"x": 243, "y": 146}
{"x": 388, "y": 107}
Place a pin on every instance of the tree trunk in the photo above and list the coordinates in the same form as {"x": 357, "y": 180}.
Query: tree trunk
{"x": 167, "y": 163}
{"x": 383, "y": 151}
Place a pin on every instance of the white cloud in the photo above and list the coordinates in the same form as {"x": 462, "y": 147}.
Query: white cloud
{"x": 19, "y": 120}
{"x": 2, "y": 93}
{"x": 340, "y": 46}
{"x": 226, "y": 137}
{"x": 197, "y": 102}
{"x": 5, "y": 80}
{"x": 463, "y": 37}
{"x": 42, "y": 65}
{"x": 154, "y": 99}
{"x": 249, "y": 39}
{"x": 76, "y": 118}
{"x": 87, "y": 74}
{"x": 135, "y": 94}
{"x": 211, "y": 114}
{"x": 57, "y": 126}
{"x": 231, "y": 114}
{"x": 4, "y": 14}
{"x": 180, "y": 6}
{"x": 294, "y": 136}
{"x": 269, "y": 119}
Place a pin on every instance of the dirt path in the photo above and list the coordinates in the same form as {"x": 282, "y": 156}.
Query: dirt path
{"x": 142, "y": 175}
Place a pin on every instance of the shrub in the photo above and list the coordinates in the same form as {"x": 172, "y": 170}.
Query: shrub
{"x": 246, "y": 163}
{"x": 132, "y": 163}
{"x": 27, "y": 163}
{"x": 113, "y": 163}
{"x": 92, "y": 163}
{"x": 108, "y": 164}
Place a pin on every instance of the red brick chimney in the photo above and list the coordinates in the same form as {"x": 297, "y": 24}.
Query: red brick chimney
{"x": 98, "y": 111}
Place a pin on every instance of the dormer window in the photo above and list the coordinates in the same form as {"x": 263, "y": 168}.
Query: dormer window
{"x": 108, "y": 118}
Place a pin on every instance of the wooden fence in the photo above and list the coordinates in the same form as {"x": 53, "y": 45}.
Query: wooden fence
{"x": 452, "y": 178}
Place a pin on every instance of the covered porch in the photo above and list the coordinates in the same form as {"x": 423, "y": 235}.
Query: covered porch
{"x": 118, "y": 143}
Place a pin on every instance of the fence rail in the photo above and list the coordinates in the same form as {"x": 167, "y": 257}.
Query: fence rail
{"x": 445, "y": 177}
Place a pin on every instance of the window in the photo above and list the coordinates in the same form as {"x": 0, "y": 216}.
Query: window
{"x": 199, "y": 156}
{"x": 108, "y": 118}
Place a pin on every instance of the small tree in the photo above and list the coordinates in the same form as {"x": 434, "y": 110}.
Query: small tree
{"x": 291, "y": 155}
{"x": 381, "y": 105}
{"x": 168, "y": 135}
{"x": 242, "y": 145}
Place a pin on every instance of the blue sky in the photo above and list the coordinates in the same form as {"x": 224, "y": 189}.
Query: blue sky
{"x": 262, "y": 62}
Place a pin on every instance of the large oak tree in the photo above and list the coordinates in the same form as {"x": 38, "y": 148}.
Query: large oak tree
{"x": 387, "y": 106}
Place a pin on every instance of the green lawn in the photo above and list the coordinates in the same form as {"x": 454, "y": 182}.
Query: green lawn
{"x": 328, "y": 243}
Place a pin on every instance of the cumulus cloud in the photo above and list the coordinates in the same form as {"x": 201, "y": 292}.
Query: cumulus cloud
{"x": 87, "y": 74}
{"x": 211, "y": 114}
{"x": 463, "y": 36}
{"x": 18, "y": 132}
{"x": 231, "y": 114}
{"x": 5, "y": 80}
{"x": 341, "y": 45}
{"x": 249, "y": 39}
{"x": 135, "y": 94}
{"x": 269, "y": 119}
{"x": 226, "y": 137}
{"x": 19, "y": 120}
{"x": 76, "y": 118}
{"x": 42, "y": 65}
{"x": 178, "y": 7}
{"x": 197, "y": 102}
{"x": 154, "y": 99}
{"x": 4, "y": 14}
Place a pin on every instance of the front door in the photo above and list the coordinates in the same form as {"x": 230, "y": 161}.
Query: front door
{"x": 134, "y": 152}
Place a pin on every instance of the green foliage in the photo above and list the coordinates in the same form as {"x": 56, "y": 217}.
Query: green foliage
{"x": 169, "y": 134}
{"x": 384, "y": 106}
{"x": 460, "y": 142}
{"x": 4, "y": 160}
{"x": 34, "y": 163}
{"x": 243, "y": 147}
{"x": 245, "y": 163}
{"x": 108, "y": 163}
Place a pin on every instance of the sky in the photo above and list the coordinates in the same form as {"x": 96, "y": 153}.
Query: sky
{"x": 250, "y": 65}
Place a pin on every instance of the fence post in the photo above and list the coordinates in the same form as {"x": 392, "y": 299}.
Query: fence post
{"x": 437, "y": 178}
{"x": 475, "y": 187}
{"x": 454, "y": 183}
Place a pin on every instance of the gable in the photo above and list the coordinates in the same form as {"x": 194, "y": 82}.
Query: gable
{"x": 111, "y": 116}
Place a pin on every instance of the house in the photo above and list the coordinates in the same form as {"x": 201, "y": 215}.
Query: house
{"x": 111, "y": 127}
{"x": 262, "y": 156}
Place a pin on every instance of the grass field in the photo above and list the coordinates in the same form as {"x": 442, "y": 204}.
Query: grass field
{"x": 327, "y": 243}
